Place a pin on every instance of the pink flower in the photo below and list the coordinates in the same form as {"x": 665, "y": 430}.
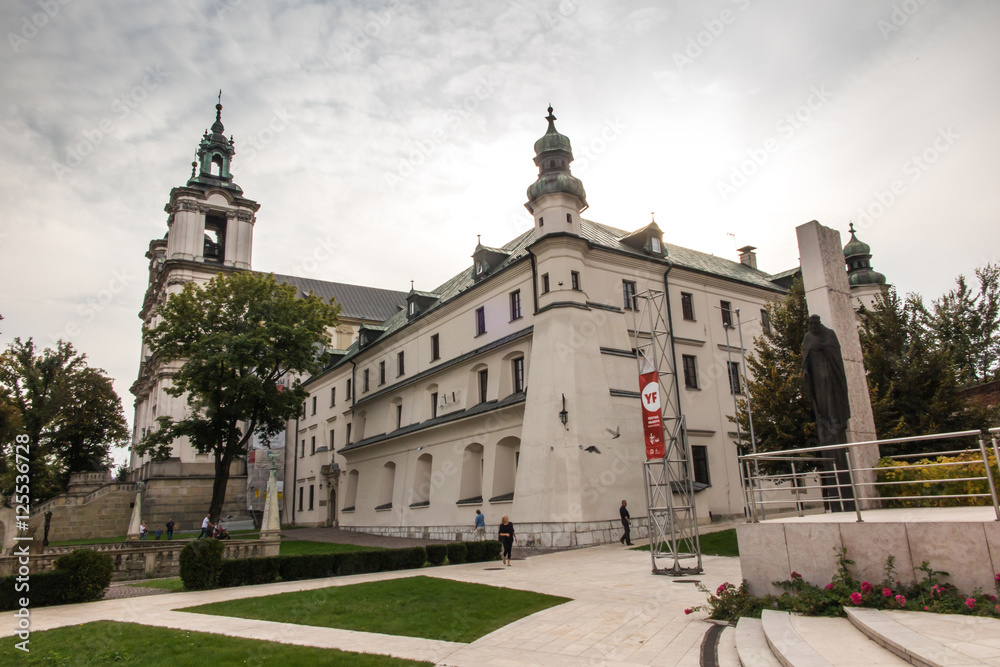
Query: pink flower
{"x": 970, "y": 603}
{"x": 722, "y": 588}
{"x": 901, "y": 600}
{"x": 688, "y": 611}
{"x": 997, "y": 578}
{"x": 796, "y": 575}
{"x": 866, "y": 587}
{"x": 886, "y": 592}
{"x": 927, "y": 608}
{"x": 829, "y": 587}
{"x": 856, "y": 598}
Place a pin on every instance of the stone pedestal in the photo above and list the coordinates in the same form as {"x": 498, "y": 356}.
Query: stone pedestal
{"x": 828, "y": 294}
{"x": 270, "y": 525}
{"x": 136, "y": 519}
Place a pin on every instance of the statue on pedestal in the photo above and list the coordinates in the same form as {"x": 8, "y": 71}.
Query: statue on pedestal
{"x": 825, "y": 383}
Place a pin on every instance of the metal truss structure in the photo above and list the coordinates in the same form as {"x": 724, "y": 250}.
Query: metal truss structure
{"x": 674, "y": 546}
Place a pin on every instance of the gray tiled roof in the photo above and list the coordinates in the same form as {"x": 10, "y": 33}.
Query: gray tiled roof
{"x": 602, "y": 236}
{"x": 356, "y": 301}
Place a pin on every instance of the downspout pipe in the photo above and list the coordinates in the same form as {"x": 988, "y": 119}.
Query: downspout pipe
{"x": 534, "y": 279}
{"x": 295, "y": 465}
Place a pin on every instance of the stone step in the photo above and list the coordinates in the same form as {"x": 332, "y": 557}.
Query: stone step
{"x": 804, "y": 641}
{"x": 976, "y": 639}
{"x": 726, "y": 650}
{"x": 751, "y": 645}
{"x": 910, "y": 644}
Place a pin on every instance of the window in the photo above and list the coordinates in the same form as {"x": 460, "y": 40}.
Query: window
{"x": 515, "y": 305}
{"x": 765, "y": 321}
{"x": 517, "y": 372}
{"x": 314, "y": 405}
{"x": 350, "y": 394}
{"x": 422, "y": 481}
{"x": 312, "y": 445}
{"x": 690, "y": 371}
{"x": 303, "y": 409}
{"x": 434, "y": 405}
{"x": 699, "y": 461}
{"x": 302, "y": 491}
{"x": 333, "y": 396}
{"x": 735, "y": 387}
{"x": 545, "y": 283}
{"x": 484, "y": 378}
{"x": 364, "y": 381}
{"x": 727, "y": 313}
{"x": 541, "y": 222}
{"x": 654, "y": 244}
{"x": 331, "y": 438}
{"x": 628, "y": 292}
{"x": 480, "y": 268}
{"x": 569, "y": 218}
{"x": 435, "y": 347}
{"x": 413, "y": 308}
{"x": 480, "y": 320}
{"x": 399, "y": 416}
{"x": 574, "y": 280}
{"x": 381, "y": 373}
{"x": 687, "y": 306}
{"x": 400, "y": 366}
{"x": 348, "y": 434}
{"x": 312, "y": 495}
{"x": 303, "y": 452}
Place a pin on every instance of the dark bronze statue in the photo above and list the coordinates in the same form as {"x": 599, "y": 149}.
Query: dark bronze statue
{"x": 48, "y": 522}
{"x": 825, "y": 384}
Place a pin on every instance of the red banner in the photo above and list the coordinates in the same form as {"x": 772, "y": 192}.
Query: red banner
{"x": 652, "y": 418}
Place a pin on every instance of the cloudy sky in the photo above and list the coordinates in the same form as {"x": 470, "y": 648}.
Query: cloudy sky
{"x": 380, "y": 138}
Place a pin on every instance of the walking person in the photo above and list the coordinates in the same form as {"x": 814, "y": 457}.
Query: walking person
{"x": 170, "y": 528}
{"x": 480, "y": 526}
{"x": 626, "y": 539}
{"x": 205, "y": 525}
{"x": 507, "y": 538}
{"x": 142, "y": 530}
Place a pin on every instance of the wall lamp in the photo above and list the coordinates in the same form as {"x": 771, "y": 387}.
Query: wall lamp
{"x": 563, "y": 415}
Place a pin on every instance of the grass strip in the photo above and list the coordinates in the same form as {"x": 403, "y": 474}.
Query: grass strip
{"x": 425, "y": 607}
{"x": 722, "y": 543}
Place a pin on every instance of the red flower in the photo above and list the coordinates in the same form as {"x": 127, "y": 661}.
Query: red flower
{"x": 829, "y": 587}
{"x": 688, "y": 611}
{"x": 856, "y": 598}
{"x": 796, "y": 575}
{"x": 901, "y": 600}
{"x": 927, "y": 608}
{"x": 866, "y": 587}
{"x": 970, "y": 603}
{"x": 886, "y": 592}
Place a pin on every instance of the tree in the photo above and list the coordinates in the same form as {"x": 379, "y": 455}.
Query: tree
{"x": 238, "y": 336}
{"x": 967, "y": 326}
{"x": 911, "y": 380}
{"x": 782, "y": 414}
{"x": 69, "y": 412}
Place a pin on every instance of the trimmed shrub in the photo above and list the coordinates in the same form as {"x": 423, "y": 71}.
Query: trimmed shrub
{"x": 248, "y": 572}
{"x": 457, "y": 553}
{"x": 406, "y": 559}
{"x": 47, "y": 588}
{"x": 483, "y": 551}
{"x": 201, "y": 562}
{"x": 89, "y": 574}
{"x": 308, "y": 566}
{"x": 436, "y": 553}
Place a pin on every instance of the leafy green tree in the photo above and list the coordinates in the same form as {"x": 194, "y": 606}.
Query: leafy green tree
{"x": 967, "y": 325}
{"x": 69, "y": 412}
{"x": 911, "y": 380}
{"x": 238, "y": 336}
{"x": 782, "y": 414}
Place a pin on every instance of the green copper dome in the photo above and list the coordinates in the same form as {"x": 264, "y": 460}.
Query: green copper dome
{"x": 553, "y": 154}
{"x": 858, "y": 255}
{"x": 855, "y": 247}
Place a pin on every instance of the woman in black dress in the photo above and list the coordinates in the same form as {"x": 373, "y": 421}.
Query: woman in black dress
{"x": 507, "y": 538}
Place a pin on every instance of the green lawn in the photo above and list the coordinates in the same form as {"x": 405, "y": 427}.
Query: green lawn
{"x": 106, "y": 642}
{"x": 299, "y": 547}
{"x": 413, "y": 607}
{"x": 722, "y": 543}
{"x": 174, "y": 585}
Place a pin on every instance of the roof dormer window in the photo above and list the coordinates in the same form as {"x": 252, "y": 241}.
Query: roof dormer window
{"x": 654, "y": 244}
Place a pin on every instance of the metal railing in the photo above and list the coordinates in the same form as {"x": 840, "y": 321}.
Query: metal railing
{"x": 847, "y": 489}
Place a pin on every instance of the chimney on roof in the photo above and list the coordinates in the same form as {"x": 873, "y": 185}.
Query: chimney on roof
{"x": 747, "y": 256}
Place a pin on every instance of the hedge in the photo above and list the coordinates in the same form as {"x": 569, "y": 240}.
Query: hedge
{"x": 457, "y": 553}
{"x": 479, "y": 552}
{"x": 201, "y": 563}
{"x": 80, "y": 576}
{"x": 436, "y": 553}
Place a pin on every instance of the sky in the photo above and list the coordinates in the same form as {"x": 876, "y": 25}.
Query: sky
{"x": 381, "y": 138}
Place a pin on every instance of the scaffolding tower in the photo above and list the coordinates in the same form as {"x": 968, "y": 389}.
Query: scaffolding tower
{"x": 674, "y": 546}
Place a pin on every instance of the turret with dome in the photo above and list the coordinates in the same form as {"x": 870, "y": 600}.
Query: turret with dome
{"x": 557, "y": 195}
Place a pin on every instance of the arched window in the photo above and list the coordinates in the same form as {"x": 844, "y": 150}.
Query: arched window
{"x": 422, "y": 481}
{"x": 351, "y": 497}
{"x": 386, "y": 486}
{"x": 471, "y": 489}
{"x": 505, "y": 468}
